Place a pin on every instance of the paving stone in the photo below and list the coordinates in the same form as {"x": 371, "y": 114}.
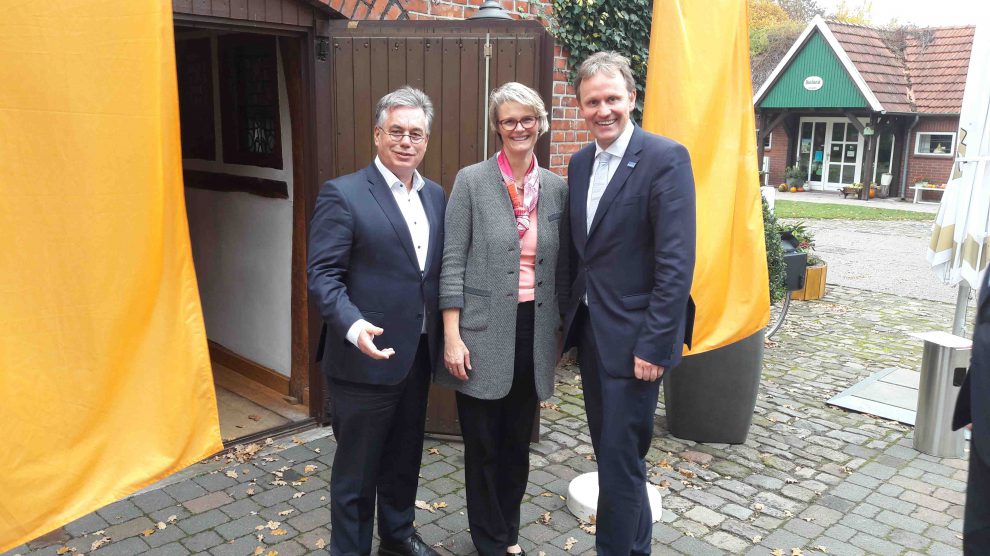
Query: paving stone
{"x": 120, "y": 512}
{"x": 126, "y": 547}
{"x": 151, "y": 501}
{"x": 729, "y": 543}
{"x": 876, "y": 545}
{"x": 909, "y": 540}
{"x": 171, "y": 549}
{"x": 207, "y": 502}
{"x": 203, "y": 541}
{"x": 902, "y": 521}
{"x": 804, "y": 528}
{"x": 704, "y": 515}
{"x": 184, "y": 490}
{"x": 86, "y": 524}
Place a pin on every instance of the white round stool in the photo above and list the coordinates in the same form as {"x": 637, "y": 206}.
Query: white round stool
{"x": 582, "y": 497}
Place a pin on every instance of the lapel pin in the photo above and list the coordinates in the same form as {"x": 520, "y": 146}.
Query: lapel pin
{"x": 631, "y": 164}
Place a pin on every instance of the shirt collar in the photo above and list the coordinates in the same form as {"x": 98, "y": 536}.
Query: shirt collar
{"x": 393, "y": 181}
{"x": 621, "y": 143}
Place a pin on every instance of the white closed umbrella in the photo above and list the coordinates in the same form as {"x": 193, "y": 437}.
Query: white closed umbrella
{"x": 958, "y": 250}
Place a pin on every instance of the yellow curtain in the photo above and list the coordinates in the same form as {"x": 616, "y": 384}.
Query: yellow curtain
{"x": 105, "y": 382}
{"x": 698, "y": 93}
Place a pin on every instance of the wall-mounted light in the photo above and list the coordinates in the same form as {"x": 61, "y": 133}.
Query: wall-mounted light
{"x": 491, "y": 9}
{"x": 322, "y": 48}
{"x": 868, "y": 131}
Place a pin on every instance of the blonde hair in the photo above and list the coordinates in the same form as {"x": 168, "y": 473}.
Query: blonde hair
{"x": 521, "y": 94}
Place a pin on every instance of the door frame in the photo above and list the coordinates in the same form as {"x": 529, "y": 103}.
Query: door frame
{"x": 830, "y": 121}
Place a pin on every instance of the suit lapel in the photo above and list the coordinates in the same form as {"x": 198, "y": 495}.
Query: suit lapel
{"x": 435, "y": 219}
{"x": 578, "y": 185}
{"x": 626, "y": 165}
{"x": 381, "y": 192}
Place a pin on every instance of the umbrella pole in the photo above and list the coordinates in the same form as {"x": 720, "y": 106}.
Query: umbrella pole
{"x": 962, "y": 303}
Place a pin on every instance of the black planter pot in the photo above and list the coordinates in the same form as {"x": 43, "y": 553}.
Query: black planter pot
{"x": 710, "y": 397}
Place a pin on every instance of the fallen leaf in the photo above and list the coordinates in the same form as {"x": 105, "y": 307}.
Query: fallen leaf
{"x": 161, "y": 525}
{"x": 547, "y": 494}
{"x": 758, "y": 507}
{"x": 99, "y": 542}
{"x": 665, "y": 484}
{"x": 593, "y": 519}
{"x": 589, "y": 457}
{"x": 297, "y": 440}
{"x": 148, "y": 532}
{"x": 664, "y": 464}
{"x": 544, "y": 519}
{"x": 434, "y": 451}
{"x": 268, "y": 441}
{"x": 301, "y": 494}
{"x": 272, "y": 553}
{"x": 284, "y": 513}
{"x": 820, "y": 548}
{"x": 309, "y": 469}
{"x": 232, "y": 474}
{"x": 549, "y": 405}
{"x": 279, "y": 532}
{"x": 171, "y": 519}
{"x": 321, "y": 544}
{"x": 249, "y": 492}
{"x": 757, "y": 539}
{"x": 317, "y": 450}
{"x": 796, "y": 552}
{"x": 425, "y": 506}
{"x": 62, "y": 550}
{"x": 254, "y": 417}
{"x": 587, "y": 528}
{"x": 438, "y": 505}
{"x": 777, "y": 552}
{"x": 322, "y": 498}
{"x": 687, "y": 473}
{"x": 541, "y": 553}
{"x": 571, "y": 541}
{"x": 258, "y": 551}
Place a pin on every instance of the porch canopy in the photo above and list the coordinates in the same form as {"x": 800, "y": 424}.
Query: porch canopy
{"x": 849, "y": 96}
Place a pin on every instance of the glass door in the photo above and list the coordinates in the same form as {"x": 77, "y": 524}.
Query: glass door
{"x": 811, "y": 151}
{"x": 844, "y": 155}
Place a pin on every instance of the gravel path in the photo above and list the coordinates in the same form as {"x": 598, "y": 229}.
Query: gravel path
{"x": 882, "y": 256}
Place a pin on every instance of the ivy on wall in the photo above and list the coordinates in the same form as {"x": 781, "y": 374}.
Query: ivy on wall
{"x": 585, "y": 27}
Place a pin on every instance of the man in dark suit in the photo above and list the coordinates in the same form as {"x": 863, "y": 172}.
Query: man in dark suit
{"x": 626, "y": 293}
{"x": 375, "y": 246}
{"x": 973, "y": 407}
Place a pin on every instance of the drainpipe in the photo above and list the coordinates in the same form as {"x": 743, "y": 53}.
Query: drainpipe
{"x": 904, "y": 162}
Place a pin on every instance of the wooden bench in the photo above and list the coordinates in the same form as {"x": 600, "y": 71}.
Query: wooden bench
{"x": 918, "y": 189}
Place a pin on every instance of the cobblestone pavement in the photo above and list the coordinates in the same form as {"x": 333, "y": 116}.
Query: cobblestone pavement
{"x": 810, "y": 477}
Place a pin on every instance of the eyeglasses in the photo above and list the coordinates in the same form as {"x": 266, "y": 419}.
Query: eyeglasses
{"x": 415, "y": 137}
{"x": 510, "y": 124}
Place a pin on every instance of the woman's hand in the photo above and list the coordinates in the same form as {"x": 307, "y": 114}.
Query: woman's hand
{"x": 456, "y": 357}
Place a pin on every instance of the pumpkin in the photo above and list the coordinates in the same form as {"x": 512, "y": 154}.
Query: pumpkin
{"x": 793, "y": 189}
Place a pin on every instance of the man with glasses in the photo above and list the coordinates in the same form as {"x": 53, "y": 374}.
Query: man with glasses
{"x": 375, "y": 248}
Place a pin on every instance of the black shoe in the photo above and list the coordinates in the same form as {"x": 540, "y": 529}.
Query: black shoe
{"x": 413, "y": 546}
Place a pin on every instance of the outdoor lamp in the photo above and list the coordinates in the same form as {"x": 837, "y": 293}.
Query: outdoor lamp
{"x": 868, "y": 131}
{"x": 491, "y": 9}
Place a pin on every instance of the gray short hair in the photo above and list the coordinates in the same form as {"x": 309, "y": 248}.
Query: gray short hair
{"x": 519, "y": 93}
{"x": 608, "y": 62}
{"x": 404, "y": 97}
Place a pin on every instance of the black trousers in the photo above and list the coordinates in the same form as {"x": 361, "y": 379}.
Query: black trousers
{"x": 976, "y": 520}
{"x": 496, "y": 449}
{"x": 620, "y": 419}
{"x": 379, "y": 433}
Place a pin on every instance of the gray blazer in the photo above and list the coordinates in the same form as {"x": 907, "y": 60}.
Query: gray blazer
{"x": 480, "y": 276}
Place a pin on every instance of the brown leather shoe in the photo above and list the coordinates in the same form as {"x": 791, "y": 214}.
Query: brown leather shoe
{"x": 413, "y": 546}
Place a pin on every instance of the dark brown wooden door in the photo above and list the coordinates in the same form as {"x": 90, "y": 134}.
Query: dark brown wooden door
{"x": 447, "y": 61}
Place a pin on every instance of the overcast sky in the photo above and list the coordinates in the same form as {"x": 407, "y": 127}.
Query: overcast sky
{"x": 923, "y": 12}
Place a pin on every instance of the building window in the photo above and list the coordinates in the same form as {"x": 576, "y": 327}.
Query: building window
{"x": 939, "y": 144}
{"x": 249, "y": 101}
{"x": 767, "y": 141}
{"x": 194, "y": 64}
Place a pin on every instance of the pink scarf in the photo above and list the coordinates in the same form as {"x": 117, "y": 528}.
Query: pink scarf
{"x": 531, "y": 191}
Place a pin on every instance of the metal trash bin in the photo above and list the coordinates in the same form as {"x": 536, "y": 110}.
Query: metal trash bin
{"x": 943, "y": 368}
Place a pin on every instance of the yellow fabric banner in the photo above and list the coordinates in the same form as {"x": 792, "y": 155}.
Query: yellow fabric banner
{"x": 105, "y": 382}
{"x": 698, "y": 93}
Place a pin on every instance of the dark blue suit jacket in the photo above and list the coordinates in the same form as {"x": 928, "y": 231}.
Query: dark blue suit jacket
{"x": 362, "y": 264}
{"x": 973, "y": 405}
{"x": 637, "y": 262}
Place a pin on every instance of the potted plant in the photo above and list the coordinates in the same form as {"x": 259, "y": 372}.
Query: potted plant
{"x": 816, "y": 271}
{"x": 795, "y": 176}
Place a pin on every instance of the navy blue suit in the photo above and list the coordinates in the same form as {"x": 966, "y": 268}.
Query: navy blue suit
{"x": 636, "y": 265}
{"x": 362, "y": 264}
{"x": 973, "y": 406}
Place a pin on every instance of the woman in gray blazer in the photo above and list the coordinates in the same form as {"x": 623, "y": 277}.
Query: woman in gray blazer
{"x": 500, "y": 314}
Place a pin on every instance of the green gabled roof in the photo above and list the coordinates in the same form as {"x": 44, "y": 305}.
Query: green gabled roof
{"x": 816, "y": 58}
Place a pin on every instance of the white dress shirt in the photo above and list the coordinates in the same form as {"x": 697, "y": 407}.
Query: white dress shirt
{"x": 617, "y": 149}
{"x": 411, "y": 207}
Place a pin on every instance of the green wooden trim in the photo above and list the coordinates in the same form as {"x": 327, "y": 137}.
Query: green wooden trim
{"x": 816, "y": 58}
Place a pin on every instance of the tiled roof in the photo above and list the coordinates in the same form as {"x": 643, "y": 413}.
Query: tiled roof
{"x": 921, "y": 70}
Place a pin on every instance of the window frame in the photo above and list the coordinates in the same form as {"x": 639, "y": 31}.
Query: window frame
{"x": 952, "y": 145}
{"x": 229, "y": 46}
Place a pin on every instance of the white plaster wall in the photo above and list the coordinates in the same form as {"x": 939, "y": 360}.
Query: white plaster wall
{"x": 242, "y": 249}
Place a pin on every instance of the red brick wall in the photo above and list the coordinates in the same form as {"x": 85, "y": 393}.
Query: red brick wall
{"x": 777, "y": 153}
{"x": 568, "y": 132}
{"x": 934, "y": 168}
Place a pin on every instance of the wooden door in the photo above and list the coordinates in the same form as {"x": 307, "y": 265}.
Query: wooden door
{"x": 447, "y": 60}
